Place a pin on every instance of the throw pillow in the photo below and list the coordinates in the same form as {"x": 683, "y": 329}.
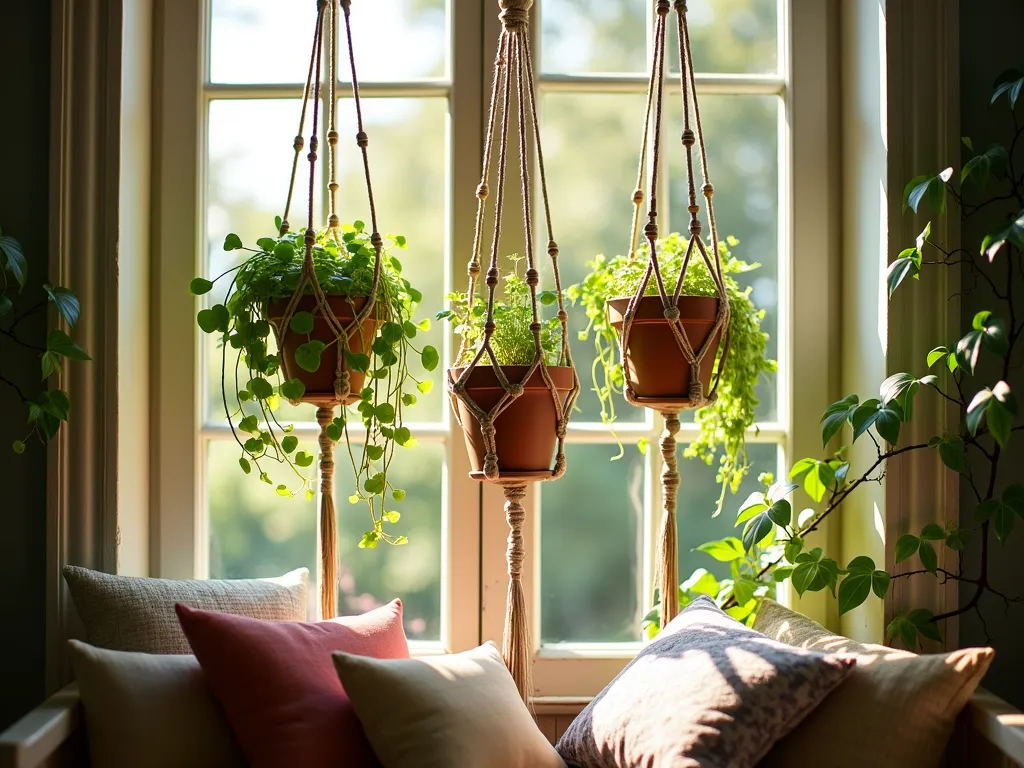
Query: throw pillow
{"x": 131, "y": 613}
{"x": 458, "y": 710}
{"x": 151, "y": 709}
{"x": 708, "y": 692}
{"x": 278, "y": 686}
{"x": 903, "y": 705}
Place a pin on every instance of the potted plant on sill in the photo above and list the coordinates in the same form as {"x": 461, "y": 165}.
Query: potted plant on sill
{"x": 300, "y": 362}
{"x": 659, "y": 368}
{"x": 525, "y": 432}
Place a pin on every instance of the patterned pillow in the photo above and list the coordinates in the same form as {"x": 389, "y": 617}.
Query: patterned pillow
{"x": 131, "y": 613}
{"x": 904, "y": 705}
{"x": 708, "y": 692}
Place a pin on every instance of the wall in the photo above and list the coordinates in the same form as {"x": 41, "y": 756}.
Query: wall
{"x": 24, "y": 190}
{"x": 990, "y": 36}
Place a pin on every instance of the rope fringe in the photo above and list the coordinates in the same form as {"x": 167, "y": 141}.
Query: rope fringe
{"x": 516, "y": 644}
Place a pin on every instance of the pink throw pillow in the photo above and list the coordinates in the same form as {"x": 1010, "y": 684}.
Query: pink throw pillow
{"x": 277, "y": 683}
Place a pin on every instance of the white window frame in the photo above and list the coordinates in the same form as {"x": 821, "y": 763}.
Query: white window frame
{"x": 473, "y": 604}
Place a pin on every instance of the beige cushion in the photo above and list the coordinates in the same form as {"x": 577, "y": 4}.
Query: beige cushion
{"x": 439, "y": 712}
{"x": 896, "y": 709}
{"x": 150, "y": 709}
{"x": 708, "y": 692}
{"x": 130, "y": 613}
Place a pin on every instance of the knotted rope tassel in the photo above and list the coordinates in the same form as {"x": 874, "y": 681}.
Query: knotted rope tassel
{"x": 667, "y": 579}
{"x": 328, "y": 521}
{"x": 516, "y": 643}
{"x": 515, "y": 14}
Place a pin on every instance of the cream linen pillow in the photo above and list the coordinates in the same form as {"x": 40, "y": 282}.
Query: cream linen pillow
{"x": 151, "y": 710}
{"x": 895, "y": 711}
{"x": 131, "y": 613}
{"x": 438, "y": 712}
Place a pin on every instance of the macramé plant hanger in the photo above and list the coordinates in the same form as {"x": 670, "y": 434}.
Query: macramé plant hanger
{"x": 343, "y": 382}
{"x": 514, "y": 416}
{"x": 669, "y": 341}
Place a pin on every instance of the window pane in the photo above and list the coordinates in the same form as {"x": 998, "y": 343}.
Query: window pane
{"x": 398, "y": 40}
{"x": 408, "y": 151}
{"x": 729, "y": 36}
{"x": 412, "y": 572}
{"x": 253, "y": 532}
{"x": 248, "y": 169}
{"x": 584, "y": 36}
{"x": 591, "y": 202}
{"x": 698, "y": 499}
{"x": 247, "y": 44}
{"x": 591, "y": 547}
{"x": 743, "y": 158}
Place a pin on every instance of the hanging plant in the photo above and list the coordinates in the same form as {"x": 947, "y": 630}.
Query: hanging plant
{"x": 298, "y": 362}
{"x": 724, "y": 423}
{"x": 524, "y": 432}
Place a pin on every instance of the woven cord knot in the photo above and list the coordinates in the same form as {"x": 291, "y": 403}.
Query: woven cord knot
{"x": 515, "y": 14}
{"x": 515, "y": 514}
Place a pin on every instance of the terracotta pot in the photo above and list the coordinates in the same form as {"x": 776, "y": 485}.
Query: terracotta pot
{"x": 525, "y": 431}
{"x": 320, "y": 383}
{"x": 658, "y": 368}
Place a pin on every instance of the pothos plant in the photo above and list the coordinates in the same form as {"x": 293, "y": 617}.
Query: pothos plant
{"x": 772, "y": 546}
{"x": 722, "y": 425}
{"x": 47, "y": 408}
{"x": 512, "y": 341}
{"x": 253, "y": 384}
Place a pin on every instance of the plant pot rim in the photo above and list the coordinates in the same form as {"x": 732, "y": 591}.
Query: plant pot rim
{"x": 693, "y": 309}
{"x": 483, "y": 376}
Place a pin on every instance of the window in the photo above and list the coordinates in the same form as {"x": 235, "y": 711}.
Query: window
{"x": 425, "y": 68}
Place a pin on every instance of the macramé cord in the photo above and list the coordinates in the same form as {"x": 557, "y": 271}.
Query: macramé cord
{"x": 308, "y": 278}
{"x": 513, "y": 70}
{"x": 667, "y": 564}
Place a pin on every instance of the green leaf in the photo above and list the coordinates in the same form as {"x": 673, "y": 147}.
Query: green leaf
{"x": 375, "y": 485}
{"x": 917, "y": 187}
{"x": 15, "y": 262}
{"x": 61, "y": 344}
{"x": 931, "y": 188}
{"x": 757, "y": 530}
{"x": 384, "y": 413}
{"x": 887, "y": 425}
{"x": 818, "y": 477}
{"x": 425, "y": 387}
{"x": 374, "y": 452}
{"x": 953, "y": 454}
{"x": 813, "y": 572}
{"x": 265, "y": 478}
{"x": 836, "y": 415}
{"x": 743, "y": 590}
{"x": 18, "y": 447}
{"x": 993, "y": 332}
{"x": 245, "y": 465}
{"x": 293, "y": 390}
{"x": 6, "y": 305}
{"x": 408, "y": 399}
{"x": 266, "y": 244}
{"x": 922, "y": 620}
{"x": 724, "y": 550}
{"x": 793, "y": 548}
{"x": 853, "y": 591}
{"x": 199, "y": 286}
{"x": 392, "y": 517}
{"x": 403, "y": 436}
{"x": 400, "y": 541}
{"x": 957, "y": 540}
{"x": 754, "y": 505}
{"x": 1009, "y": 83}
{"x": 902, "y": 268}
{"x": 700, "y": 582}
{"x": 303, "y": 459}
{"x": 902, "y": 627}
{"x": 929, "y": 557}
{"x": 250, "y": 424}
{"x": 254, "y": 446}
{"x": 933, "y": 532}
{"x": 392, "y": 333}
{"x": 289, "y": 443}
{"x": 999, "y": 513}
{"x": 880, "y": 583}
{"x": 429, "y": 358}
{"x": 901, "y": 389}
{"x": 1001, "y": 413}
{"x": 260, "y": 388}
{"x": 307, "y": 355}
{"x": 864, "y": 416}
{"x": 302, "y": 323}
{"x": 780, "y": 513}
{"x": 937, "y": 354}
{"x": 357, "y": 361}
{"x": 232, "y": 242}
{"x": 976, "y": 410}
{"x": 906, "y": 547}
{"x": 282, "y": 490}
{"x": 369, "y": 540}
{"x": 1011, "y": 232}
{"x": 65, "y": 301}
{"x": 398, "y": 494}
